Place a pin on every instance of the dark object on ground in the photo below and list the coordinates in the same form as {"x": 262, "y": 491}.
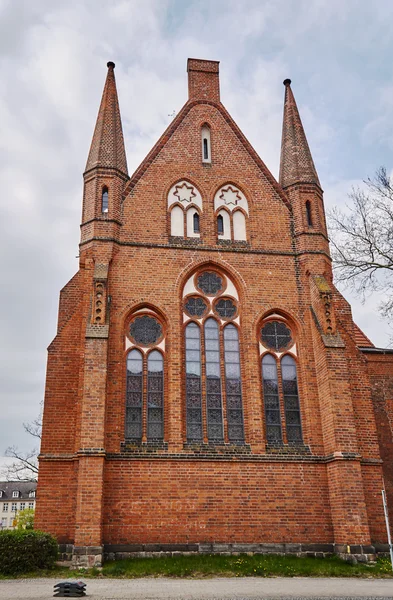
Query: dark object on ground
{"x": 69, "y": 589}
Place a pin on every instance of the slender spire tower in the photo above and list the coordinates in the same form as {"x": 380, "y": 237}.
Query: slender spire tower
{"x": 106, "y": 168}
{"x": 296, "y": 164}
{"x": 299, "y": 178}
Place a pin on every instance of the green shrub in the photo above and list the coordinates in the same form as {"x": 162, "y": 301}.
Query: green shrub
{"x": 22, "y": 551}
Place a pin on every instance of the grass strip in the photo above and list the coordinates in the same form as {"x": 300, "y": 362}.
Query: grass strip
{"x": 213, "y": 565}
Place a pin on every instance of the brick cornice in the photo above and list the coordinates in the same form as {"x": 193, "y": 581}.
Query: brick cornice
{"x": 173, "y": 127}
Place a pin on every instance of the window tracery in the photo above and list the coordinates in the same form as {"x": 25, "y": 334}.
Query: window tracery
{"x": 231, "y": 207}
{"x": 184, "y": 205}
{"x": 213, "y": 386}
{"x": 279, "y": 384}
{"x": 145, "y": 380}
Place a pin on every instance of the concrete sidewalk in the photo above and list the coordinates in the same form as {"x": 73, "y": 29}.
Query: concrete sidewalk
{"x": 206, "y": 589}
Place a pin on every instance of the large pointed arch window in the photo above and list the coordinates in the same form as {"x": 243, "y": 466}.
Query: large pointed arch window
{"x": 214, "y": 407}
{"x": 145, "y": 379}
{"x": 280, "y": 384}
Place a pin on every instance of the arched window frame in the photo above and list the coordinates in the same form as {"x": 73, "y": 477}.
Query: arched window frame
{"x": 146, "y": 404}
{"x": 105, "y": 200}
{"x": 243, "y": 207}
{"x": 206, "y": 144}
{"x": 309, "y": 215}
{"x": 233, "y": 430}
{"x": 278, "y": 356}
{"x": 184, "y": 196}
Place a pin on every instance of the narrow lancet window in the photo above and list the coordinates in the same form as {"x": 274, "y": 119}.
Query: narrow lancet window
{"x": 233, "y": 384}
{"x": 271, "y": 399}
{"x": 220, "y": 225}
{"x": 104, "y": 202}
{"x": 155, "y": 396}
{"x": 291, "y": 399}
{"x": 215, "y": 430}
{"x": 206, "y": 149}
{"x": 193, "y": 383}
{"x": 134, "y": 395}
{"x": 196, "y": 222}
{"x": 309, "y": 215}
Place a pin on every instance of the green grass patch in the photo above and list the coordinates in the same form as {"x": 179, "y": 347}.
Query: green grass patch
{"x": 213, "y": 565}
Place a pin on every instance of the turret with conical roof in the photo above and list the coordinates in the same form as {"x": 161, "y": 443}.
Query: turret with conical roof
{"x": 106, "y": 168}
{"x": 299, "y": 178}
{"x": 296, "y": 164}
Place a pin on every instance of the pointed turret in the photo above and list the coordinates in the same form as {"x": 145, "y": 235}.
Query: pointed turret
{"x": 107, "y": 147}
{"x": 296, "y": 164}
{"x": 106, "y": 170}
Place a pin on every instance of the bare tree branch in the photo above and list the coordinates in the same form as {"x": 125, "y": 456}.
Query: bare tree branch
{"x": 24, "y": 467}
{"x": 362, "y": 240}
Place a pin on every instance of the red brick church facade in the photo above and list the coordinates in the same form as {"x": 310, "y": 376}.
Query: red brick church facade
{"x": 207, "y": 388}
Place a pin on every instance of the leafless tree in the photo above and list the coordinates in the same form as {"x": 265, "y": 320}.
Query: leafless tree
{"x": 362, "y": 240}
{"x": 24, "y": 466}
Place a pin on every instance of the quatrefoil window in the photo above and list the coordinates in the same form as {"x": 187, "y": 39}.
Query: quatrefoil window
{"x": 196, "y": 306}
{"x": 276, "y": 335}
{"x": 226, "y": 308}
{"x": 145, "y": 330}
{"x": 209, "y": 283}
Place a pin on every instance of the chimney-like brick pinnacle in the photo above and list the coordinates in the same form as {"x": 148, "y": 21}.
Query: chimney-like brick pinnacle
{"x": 107, "y": 147}
{"x": 296, "y": 164}
{"x": 203, "y": 80}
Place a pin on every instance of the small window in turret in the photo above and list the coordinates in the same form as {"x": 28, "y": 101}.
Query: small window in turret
{"x": 309, "y": 215}
{"x": 206, "y": 150}
{"x": 104, "y": 202}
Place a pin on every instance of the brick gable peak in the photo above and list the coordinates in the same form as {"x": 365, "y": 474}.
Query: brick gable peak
{"x": 204, "y": 91}
{"x": 296, "y": 163}
{"x": 107, "y": 148}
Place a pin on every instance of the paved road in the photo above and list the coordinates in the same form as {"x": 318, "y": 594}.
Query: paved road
{"x": 249, "y": 588}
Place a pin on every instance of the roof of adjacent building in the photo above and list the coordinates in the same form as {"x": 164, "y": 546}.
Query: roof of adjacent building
{"x": 23, "y": 487}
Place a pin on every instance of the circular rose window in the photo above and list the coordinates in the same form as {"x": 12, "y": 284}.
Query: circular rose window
{"x": 276, "y": 335}
{"x": 226, "y": 308}
{"x": 195, "y": 306}
{"x": 145, "y": 330}
{"x": 209, "y": 283}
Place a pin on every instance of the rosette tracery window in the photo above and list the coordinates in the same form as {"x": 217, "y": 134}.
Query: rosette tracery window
{"x": 280, "y": 383}
{"x": 214, "y": 408}
{"x": 145, "y": 380}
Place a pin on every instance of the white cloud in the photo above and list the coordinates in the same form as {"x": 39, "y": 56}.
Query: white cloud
{"x": 52, "y": 65}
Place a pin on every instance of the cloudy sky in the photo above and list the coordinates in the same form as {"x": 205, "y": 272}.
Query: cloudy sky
{"x": 53, "y": 56}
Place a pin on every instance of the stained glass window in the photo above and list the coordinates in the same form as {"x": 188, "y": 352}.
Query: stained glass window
{"x": 226, "y": 308}
{"x": 193, "y": 383}
{"x": 195, "y": 306}
{"x": 155, "y": 396}
{"x": 145, "y": 330}
{"x": 291, "y": 399}
{"x": 233, "y": 384}
{"x": 213, "y": 381}
{"x": 276, "y": 335}
{"x": 209, "y": 282}
{"x": 271, "y": 399}
{"x": 134, "y": 395}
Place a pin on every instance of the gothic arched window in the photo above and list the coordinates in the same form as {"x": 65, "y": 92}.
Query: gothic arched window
{"x": 104, "y": 200}
{"x": 279, "y": 383}
{"x": 214, "y": 407}
{"x": 145, "y": 380}
{"x": 309, "y": 214}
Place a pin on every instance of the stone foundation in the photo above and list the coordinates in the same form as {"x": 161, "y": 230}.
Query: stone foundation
{"x": 93, "y": 556}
